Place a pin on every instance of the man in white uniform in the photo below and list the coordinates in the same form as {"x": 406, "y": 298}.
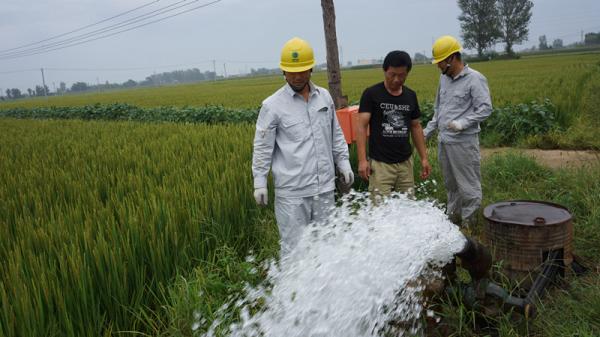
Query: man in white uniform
{"x": 299, "y": 139}
{"x": 461, "y": 103}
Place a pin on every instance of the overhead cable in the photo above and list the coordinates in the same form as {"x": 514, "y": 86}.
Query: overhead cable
{"x": 89, "y": 37}
{"x": 81, "y": 28}
{"x": 82, "y": 37}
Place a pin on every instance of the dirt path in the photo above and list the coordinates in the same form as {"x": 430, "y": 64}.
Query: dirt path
{"x": 552, "y": 158}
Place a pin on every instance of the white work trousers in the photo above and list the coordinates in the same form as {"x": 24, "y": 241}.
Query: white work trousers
{"x": 293, "y": 215}
{"x": 460, "y": 164}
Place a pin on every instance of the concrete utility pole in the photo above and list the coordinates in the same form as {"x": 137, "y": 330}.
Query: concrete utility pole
{"x": 333, "y": 62}
{"x": 44, "y": 83}
{"x": 215, "y": 70}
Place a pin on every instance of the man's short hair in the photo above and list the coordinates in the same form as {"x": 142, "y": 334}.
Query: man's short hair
{"x": 397, "y": 58}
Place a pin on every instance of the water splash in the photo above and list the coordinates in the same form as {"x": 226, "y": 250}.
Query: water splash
{"x": 359, "y": 274}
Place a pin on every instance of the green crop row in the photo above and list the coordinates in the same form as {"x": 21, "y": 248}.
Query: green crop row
{"x": 506, "y": 126}
{"x": 124, "y": 111}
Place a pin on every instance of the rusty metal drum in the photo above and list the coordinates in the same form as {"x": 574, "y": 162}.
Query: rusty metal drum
{"x": 521, "y": 233}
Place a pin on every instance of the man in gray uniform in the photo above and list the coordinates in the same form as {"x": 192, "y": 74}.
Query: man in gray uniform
{"x": 298, "y": 137}
{"x": 462, "y": 102}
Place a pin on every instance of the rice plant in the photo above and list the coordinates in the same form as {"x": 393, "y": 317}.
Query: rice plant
{"x": 96, "y": 217}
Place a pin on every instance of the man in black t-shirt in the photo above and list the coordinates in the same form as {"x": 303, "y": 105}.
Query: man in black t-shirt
{"x": 391, "y": 111}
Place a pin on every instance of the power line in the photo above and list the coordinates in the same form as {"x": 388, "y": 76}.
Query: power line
{"x": 75, "y": 42}
{"x": 566, "y": 22}
{"x": 563, "y": 18}
{"x": 18, "y": 71}
{"x": 86, "y": 69}
{"x": 578, "y": 33}
{"x": 130, "y": 69}
{"x": 81, "y": 28}
{"x": 96, "y": 32}
{"x": 245, "y": 62}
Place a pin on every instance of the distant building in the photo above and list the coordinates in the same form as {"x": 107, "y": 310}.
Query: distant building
{"x": 321, "y": 66}
{"x": 364, "y": 62}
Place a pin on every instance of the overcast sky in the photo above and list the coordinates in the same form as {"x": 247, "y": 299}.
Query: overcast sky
{"x": 237, "y": 34}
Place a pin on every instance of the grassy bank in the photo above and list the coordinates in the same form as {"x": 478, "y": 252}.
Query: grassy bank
{"x": 566, "y": 311}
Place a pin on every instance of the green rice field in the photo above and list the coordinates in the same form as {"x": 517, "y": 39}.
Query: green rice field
{"x": 116, "y": 228}
{"x": 536, "y": 77}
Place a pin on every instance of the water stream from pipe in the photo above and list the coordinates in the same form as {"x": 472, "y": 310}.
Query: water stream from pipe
{"x": 359, "y": 274}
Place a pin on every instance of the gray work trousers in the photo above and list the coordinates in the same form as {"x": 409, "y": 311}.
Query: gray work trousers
{"x": 460, "y": 164}
{"x": 293, "y": 215}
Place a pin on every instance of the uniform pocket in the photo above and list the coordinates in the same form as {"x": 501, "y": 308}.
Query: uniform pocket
{"x": 323, "y": 116}
{"x": 293, "y": 130}
{"x": 461, "y": 97}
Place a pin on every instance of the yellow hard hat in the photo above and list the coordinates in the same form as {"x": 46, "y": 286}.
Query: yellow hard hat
{"x": 444, "y": 47}
{"x": 296, "y": 56}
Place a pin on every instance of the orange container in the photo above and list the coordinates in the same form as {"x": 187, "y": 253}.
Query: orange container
{"x": 343, "y": 116}
{"x": 348, "y": 119}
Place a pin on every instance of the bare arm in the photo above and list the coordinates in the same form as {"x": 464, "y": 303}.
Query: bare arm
{"x": 361, "y": 144}
{"x": 416, "y": 132}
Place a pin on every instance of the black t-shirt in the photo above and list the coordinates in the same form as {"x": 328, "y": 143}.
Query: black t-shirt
{"x": 391, "y": 117}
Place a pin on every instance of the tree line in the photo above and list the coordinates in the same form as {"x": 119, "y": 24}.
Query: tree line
{"x": 165, "y": 78}
{"x": 487, "y": 22}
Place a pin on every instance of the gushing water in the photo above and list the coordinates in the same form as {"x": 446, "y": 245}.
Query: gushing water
{"x": 359, "y": 274}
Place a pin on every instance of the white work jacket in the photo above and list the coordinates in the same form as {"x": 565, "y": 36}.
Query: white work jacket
{"x": 300, "y": 142}
{"x": 464, "y": 98}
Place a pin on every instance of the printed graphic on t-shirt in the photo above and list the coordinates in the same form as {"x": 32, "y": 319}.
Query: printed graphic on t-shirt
{"x": 394, "y": 123}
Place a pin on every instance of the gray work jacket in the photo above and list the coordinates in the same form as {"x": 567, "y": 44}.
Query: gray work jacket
{"x": 300, "y": 142}
{"x": 464, "y": 98}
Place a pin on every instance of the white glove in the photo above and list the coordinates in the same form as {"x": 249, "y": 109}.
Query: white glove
{"x": 261, "y": 195}
{"x": 455, "y": 126}
{"x": 347, "y": 178}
